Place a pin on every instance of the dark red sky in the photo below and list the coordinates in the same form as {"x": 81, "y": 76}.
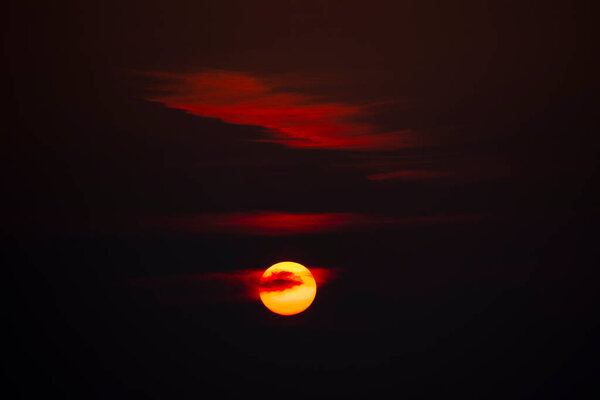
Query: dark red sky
{"x": 437, "y": 156}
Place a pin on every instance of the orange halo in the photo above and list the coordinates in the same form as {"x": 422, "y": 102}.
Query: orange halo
{"x": 287, "y": 288}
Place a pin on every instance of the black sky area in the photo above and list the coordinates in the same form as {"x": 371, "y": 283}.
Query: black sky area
{"x": 493, "y": 298}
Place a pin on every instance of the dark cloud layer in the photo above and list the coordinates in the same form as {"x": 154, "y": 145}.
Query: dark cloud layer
{"x": 279, "y": 281}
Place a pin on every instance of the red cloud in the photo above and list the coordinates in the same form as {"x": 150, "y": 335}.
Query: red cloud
{"x": 294, "y": 119}
{"x": 216, "y": 287}
{"x": 200, "y": 288}
{"x": 271, "y": 223}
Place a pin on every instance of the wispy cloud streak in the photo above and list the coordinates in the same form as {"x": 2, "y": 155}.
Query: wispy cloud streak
{"x": 407, "y": 175}
{"x": 217, "y": 287}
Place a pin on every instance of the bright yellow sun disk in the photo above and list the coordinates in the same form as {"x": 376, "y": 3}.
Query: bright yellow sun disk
{"x": 292, "y": 292}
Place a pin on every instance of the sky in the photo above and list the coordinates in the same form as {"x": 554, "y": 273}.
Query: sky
{"x": 430, "y": 162}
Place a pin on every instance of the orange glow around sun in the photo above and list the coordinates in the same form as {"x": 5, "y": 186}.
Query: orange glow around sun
{"x": 287, "y": 288}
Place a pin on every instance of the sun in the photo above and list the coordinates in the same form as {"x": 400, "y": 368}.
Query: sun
{"x": 287, "y": 288}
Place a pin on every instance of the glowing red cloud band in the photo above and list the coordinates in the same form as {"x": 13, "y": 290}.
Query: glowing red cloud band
{"x": 259, "y": 223}
{"x": 294, "y": 119}
{"x": 270, "y": 223}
